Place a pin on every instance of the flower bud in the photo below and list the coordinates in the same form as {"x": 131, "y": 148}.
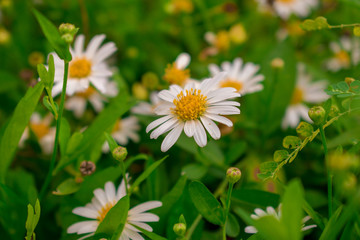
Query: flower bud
{"x": 304, "y": 129}
{"x": 180, "y": 229}
{"x": 68, "y": 38}
{"x": 277, "y": 63}
{"x": 139, "y": 91}
{"x": 87, "y": 168}
{"x": 233, "y": 175}
{"x": 334, "y": 111}
{"x": 119, "y": 153}
{"x": 317, "y": 114}
{"x": 65, "y": 28}
{"x": 291, "y": 142}
{"x": 280, "y": 155}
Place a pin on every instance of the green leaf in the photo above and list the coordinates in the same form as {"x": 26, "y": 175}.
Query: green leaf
{"x": 53, "y": 36}
{"x": 271, "y": 229}
{"x": 355, "y": 86}
{"x": 112, "y": 143}
{"x": 151, "y": 235}
{"x": 16, "y": 127}
{"x": 256, "y": 197}
{"x": 67, "y": 187}
{"x": 232, "y": 226}
{"x": 43, "y": 74}
{"x": 194, "y": 171}
{"x": 32, "y": 220}
{"x": 64, "y": 135}
{"x": 115, "y": 219}
{"x": 308, "y": 25}
{"x": 74, "y": 142}
{"x": 146, "y": 174}
{"x": 206, "y": 203}
{"x": 268, "y": 166}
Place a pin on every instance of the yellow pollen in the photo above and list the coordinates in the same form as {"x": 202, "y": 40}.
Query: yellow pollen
{"x": 222, "y": 41}
{"x": 173, "y": 75}
{"x": 285, "y": 1}
{"x": 232, "y": 83}
{"x": 87, "y": 93}
{"x": 104, "y": 210}
{"x": 190, "y": 106}
{"x": 117, "y": 126}
{"x": 298, "y": 96}
{"x": 79, "y": 68}
{"x": 343, "y": 57}
{"x": 40, "y": 129}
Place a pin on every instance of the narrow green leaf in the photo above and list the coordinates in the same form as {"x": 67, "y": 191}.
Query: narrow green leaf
{"x": 53, "y": 36}
{"x": 67, "y": 187}
{"x": 37, "y": 213}
{"x": 146, "y": 173}
{"x": 51, "y": 71}
{"x": 64, "y": 135}
{"x": 112, "y": 143}
{"x": 232, "y": 226}
{"x": 16, "y": 127}
{"x": 270, "y": 228}
{"x": 29, "y": 222}
{"x": 206, "y": 203}
{"x": 151, "y": 235}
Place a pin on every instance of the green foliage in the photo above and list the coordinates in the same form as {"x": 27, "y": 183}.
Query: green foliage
{"x": 318, "y": 24}
{"x": 343, "y": 90}
{"x": 32, "y": 220}
{"x": 68, "y": 186}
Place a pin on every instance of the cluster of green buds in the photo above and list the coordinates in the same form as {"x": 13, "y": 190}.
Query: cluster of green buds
{"x": 180, "y": 227}
{"x": 233, "y": 175}
{"x": 67, "y": 32}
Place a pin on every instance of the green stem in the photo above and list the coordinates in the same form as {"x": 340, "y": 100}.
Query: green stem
{"x": 124, "y": 176}
{"x": 58, "y": 126}
{"x": 345, "y": 25}
{"x": 227, "y": 207}
{"x": 329, "y": 175}
{"x": 193, "y": 227}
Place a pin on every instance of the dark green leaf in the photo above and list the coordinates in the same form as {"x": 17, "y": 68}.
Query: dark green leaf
{"x": 232, "y": 226}
{"x": 67, "y": 187}
{"x": 194, "y": 171}
{"x": 256, "y": 197}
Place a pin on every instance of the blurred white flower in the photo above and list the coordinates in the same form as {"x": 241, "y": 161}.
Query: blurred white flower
{"x": 346, "y": 53}
{"x": 270, "y": 211}
{"x": 145, "y": 108}
{"x": 284, "y": 8}
{"x": 242, "y": 77}
{"x": 101, "y": 204}
{"x": 124, "y": 129}
{"x": 85, "y": 67}
{"x": 305, "y": 91}
{"x": 77, "y": 103}
{"x": 45, "y": 134}
{"x": 191, "y": 109}
{"x": 177, "y": 73}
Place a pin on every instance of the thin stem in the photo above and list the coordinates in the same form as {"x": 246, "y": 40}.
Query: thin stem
{"x": 58, "y": 126}
{"x": 345, "y": 25}
{"x": 329, "y": 175}
{"x": 227, "y": 208}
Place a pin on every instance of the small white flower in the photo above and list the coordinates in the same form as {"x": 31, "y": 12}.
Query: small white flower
{"x": 85, "y": 67}
{"x": 242, "y": 77}
{"x": 270, "y": 211}
{"x": 77, "y": 102}
{"x": 124, "y": 130}
{"x": 305, "y": 91}
{"x": 192, "y": 109}
{"x": 284, "y": 8}
{"x": 101, "y": 204}
{"x": 346, "y": 53}
{"x": 42, "y": 130}
{"x": 176, "y": 73}
{"x": 145, "y": 108}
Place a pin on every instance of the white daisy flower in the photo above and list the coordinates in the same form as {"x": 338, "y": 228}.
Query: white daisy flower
{"x": 346, "y": 53}
{"x": 242, "y": 77}
{"x": 284, "y": 8}
{"x": 87, "y": 66}
{"x": 77, "y": 103}
{"x": 101, "y": 204}
{"x": 124, "y": 130}
{"x": 270, "y": 211}
{"x": 145, "y": 108}
{"x": 191, "y": 109}
{"x": 45, "y": 134}
{"x": 305, "y": 91}
{"x": 176, "y": 73}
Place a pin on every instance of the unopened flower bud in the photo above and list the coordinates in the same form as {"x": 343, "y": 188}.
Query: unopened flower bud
{"x": 334, "y": 111}
{"x": 139, "y": 91}
{"x": 304, "y": 129}
{"x": 87, "y": 168}
{"x": 65, "y": 28}
{"x": 291, "y": 142}
{"x": 180, "y": 229}
{"x": 119, "y": 153}
{"x": 280, "y": 155}
{"x": 233, "y": 174}
{"x": 317, "y": 114}
{"x": 68, "y": 38}
{"x": 277, "y": 63}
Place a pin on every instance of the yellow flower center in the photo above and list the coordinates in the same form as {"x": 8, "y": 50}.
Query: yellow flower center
{"x": 232, "y": 83}
{"x": 343, "y": 57}
{"x": 104, "y": 210}
{"x": 40, "y": 129}
{"x": 173, "y": 75}
{"x": 190, "y": 106}
{"x": 79, "y": 68}
{"x": 117, "y": 126}
{"x": 87, "y": 93}
{"x": 285, "y": 1}
{"x": 222, "y": 41}
{"x": 298, "y": 96}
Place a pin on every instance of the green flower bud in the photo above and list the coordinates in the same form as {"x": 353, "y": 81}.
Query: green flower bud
{"x": 304, "y": 129}
{"x": 280, "y": 155}
{"x": 233, "y": 174}
{"x": 291, "y": 142}
{"x": 180, "y": 229}
{"x": 65, "y": 28}
{"x": 334, "y": 111}
{"x": 119, "y": 153}
{"x": 68, "y": 38}
{"x": 317, "y": 114}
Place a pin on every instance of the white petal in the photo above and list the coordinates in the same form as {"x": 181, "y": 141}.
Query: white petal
{"x": 167, "y": 95}
{"x": 189, "y": 128}
{"x": 145, "y": 207}
{"x": 85, "y": 212}
{"x": 172, "y": 137}
{"x": 143, "y": 217}
{"x": 200, "y": 134}
{"x": 79, "y": 45}
{"x": 183, "y": 60}
{"x": 77, "y": 226}
{"x": 250, "y": 230}
{"x": 157, "y": 122}
{"x": 224, "y": 110}
{"x": 211, "y": 127}
{"x": 220, "y": 119}
{"x": 110, "y": 191}
{"x": 100, "y": 195}
{"x": 94, "y": 45}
